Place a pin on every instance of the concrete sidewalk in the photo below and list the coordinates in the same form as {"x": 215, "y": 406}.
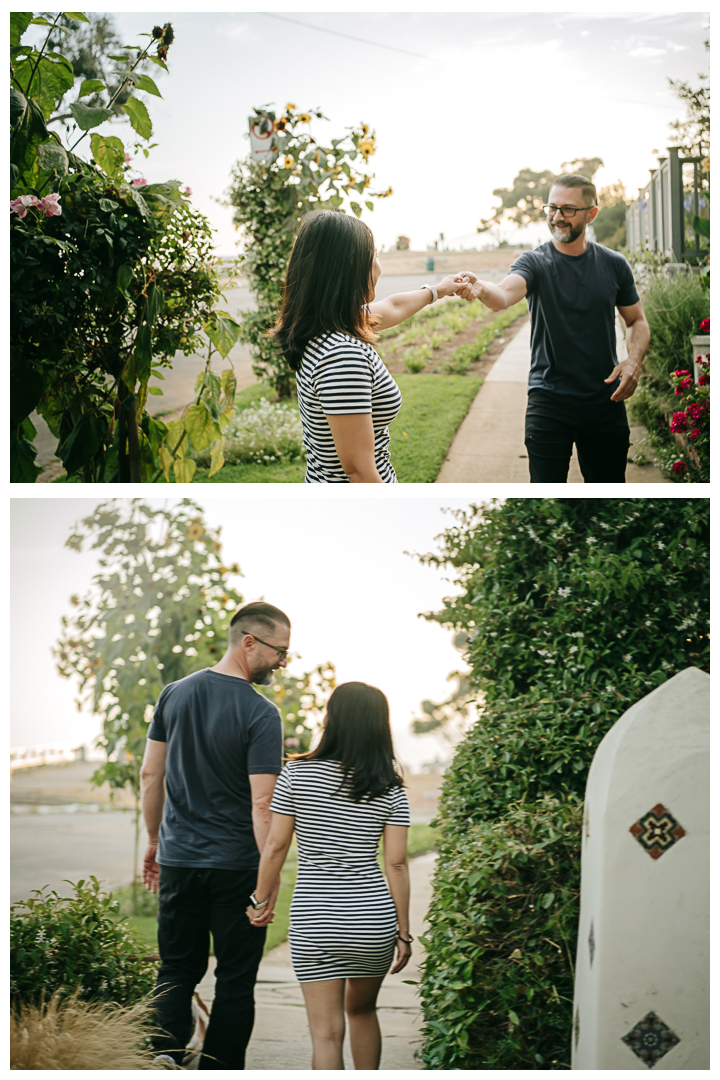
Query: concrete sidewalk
{"x": 489, "y": 445}
{"x": 281, "y": 1039}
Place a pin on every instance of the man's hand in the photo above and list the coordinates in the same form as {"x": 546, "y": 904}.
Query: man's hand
{"x": 450, "y": 285}
{"x": 628, "y": 371}
{"x": 151, "y": 868}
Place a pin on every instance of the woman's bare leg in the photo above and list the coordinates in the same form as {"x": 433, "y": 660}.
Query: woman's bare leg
{"x": 365, "y": 1039}
{"x": 324, "y": 1005}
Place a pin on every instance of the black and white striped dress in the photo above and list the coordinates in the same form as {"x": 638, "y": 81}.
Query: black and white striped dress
{"x": 338, "y": 376}
{"x": 343, "y": 922}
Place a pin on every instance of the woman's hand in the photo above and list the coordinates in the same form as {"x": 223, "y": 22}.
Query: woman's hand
{"x": 452, "y": 284}
{"x": 404, "y": 952}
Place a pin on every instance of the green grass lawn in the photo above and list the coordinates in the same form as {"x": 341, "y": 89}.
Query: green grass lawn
{"x": 421, "y": 838}
{"x": 433, "y": 408}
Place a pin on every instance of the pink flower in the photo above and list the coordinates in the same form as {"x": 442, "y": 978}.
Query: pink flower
{"x": 679, "y": 468}
{"x": 127, "y": 158}
{"x": 679, "y": 373}
{"x": 679, "y": 422}
{"x": 188, "y": 191}
{"x": 20, "y": 206}
{"x": 50, "y": 205}
{"x": 139, "y": 183}
{"x": 292, "y": 742}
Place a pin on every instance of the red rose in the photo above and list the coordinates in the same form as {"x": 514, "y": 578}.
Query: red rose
{"x": 695, "y": 433}
{"x": 704, "y": 380}
{"x": 705, "y": 326}
{"x": 679, "y": 468}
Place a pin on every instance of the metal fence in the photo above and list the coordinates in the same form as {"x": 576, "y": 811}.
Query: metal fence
{"x": 661, "y": 218}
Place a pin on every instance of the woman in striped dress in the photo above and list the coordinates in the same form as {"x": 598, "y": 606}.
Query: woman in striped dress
{"x": 347, "y": 396}
{"x": 346, "y": 923}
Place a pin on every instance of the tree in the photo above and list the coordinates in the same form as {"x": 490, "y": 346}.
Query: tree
{"x": 530, "y": 191}
{"x": 110, "y": 276}
{"x": 271, "y": 198}
{"x": 609, "y": 225}
{"x": 575, "y": 608}
{"x": 159, "y": 609}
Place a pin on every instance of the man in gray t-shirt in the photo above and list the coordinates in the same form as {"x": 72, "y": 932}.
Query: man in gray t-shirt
{"x": 213, "y": 754}
{"x": 576, "y": 388}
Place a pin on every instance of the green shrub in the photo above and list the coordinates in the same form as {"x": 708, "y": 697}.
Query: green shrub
{"x": 263, "y": 433}
{"x": 75, "y": 944}
{"x": 574, "y": 609}
{"x": 498, "y": 981}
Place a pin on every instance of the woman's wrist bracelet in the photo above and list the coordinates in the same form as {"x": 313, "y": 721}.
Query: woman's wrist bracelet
{"x": 408, "y": 940}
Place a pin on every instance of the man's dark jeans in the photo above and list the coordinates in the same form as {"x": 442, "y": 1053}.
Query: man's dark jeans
{"x": 192, "y": 903}
{"x": 553, "y": 422}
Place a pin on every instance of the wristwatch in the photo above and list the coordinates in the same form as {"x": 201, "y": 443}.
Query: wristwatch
{"x": 433, "y": 290}
{"x": 256, "y": 903}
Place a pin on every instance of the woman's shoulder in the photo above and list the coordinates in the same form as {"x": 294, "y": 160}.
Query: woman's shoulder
{"x": 338, "y": 346}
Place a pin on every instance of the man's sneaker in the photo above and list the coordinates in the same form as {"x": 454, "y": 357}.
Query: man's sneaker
{"x": 163, "y": 1058}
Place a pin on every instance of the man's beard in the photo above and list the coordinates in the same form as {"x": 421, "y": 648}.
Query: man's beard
{"x": 263, "y": 676}
{"x": 565, "y": 236}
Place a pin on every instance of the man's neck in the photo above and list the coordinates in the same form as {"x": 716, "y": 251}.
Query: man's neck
{"x": 231, "y": 665}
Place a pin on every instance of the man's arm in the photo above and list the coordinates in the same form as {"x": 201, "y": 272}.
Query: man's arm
{"x": 498, "y": 297}
{"x": 152, "y": 795}
{"x": 637, "y": 340}
{"x": 262, "y": 786}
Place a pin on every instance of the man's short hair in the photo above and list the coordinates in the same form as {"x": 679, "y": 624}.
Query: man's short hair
{"x": 256, "y": 616}
{"x": 589, "y": 192}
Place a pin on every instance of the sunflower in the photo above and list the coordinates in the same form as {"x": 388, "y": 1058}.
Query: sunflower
{"x": 303, "y": 118}
{"x": 384, "y": 194}
{"x": 289, "y": 161}
{"x": 280, "y": 125}
{"x": 366, "y": 147}
{"x": 96, "y": 663}
{"x": 289, "y": 108}
{"x": 365, "y": 129}
{"x": 195, "y": 530}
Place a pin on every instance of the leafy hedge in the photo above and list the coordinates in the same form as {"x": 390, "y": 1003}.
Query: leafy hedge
{"x": 76, "y": 944}
{"x": 574, "y": 609}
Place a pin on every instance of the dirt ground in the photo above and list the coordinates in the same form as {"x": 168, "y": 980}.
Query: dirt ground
{"x": 449, "y": 262}
{"x": 63, "y": 784}
{"x": 395, "y": 364}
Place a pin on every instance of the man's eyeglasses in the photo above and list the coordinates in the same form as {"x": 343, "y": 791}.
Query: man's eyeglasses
{"x": 566, "y": 211}
{"x": 282, "y": 653}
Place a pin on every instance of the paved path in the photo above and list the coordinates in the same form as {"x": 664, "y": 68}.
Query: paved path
{"x": 280, "y": 1037}
{"x": 489, "y": 444}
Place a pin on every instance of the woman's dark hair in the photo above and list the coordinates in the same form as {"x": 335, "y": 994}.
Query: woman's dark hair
{"x": 357, "y": 735}
{"x": 327, "y": 285}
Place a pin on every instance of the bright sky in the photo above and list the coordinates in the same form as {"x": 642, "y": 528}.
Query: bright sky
{"x": 337, "y": 567}
{"x": 486, "y": 94}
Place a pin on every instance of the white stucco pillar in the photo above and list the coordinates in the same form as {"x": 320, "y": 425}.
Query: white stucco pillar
{"x": 642, "y": 971}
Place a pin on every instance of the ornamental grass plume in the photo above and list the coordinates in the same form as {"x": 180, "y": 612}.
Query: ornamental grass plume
{"x": 72, "y": 1034}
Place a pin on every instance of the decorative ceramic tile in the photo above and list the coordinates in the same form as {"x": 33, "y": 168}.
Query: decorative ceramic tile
{"x": 591, "y": 943}
{"x": 651, "y": 1039}
{"x": 657, "y": 831}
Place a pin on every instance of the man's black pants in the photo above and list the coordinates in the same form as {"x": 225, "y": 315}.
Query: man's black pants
{"x": 553, "y": 422}
{"x": 192, "y": 903}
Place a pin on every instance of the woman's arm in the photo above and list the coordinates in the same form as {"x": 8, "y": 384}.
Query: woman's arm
{"x": 398, "y": 879}
{"x": 272, "y": 860}
{"x": 354, "y": 440}
{"x": 396, "y": 309}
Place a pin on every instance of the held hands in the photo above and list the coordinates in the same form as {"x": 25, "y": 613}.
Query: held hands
{"x": 404, "y": 952}
{"x": 151, "y": 868}
{"x": 267, "y": 915}
{"x": 470, "y": 288}
{"x": 452, "y": 285}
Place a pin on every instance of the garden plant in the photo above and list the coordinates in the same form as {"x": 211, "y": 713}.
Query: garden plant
{"x": 110, "y": 275}
{"x": 574, "y": 609}
{"x": 269, "y": 201}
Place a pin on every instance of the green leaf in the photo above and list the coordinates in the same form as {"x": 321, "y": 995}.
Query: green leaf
{"x": 356, "y": 209}
{"x": 19, "y": 22}
{"x": 109, "y": 153}
{"x": 143, "y": 352}
{"x": 155, "y": 390}
{"x": 160, "y": 63}
{"x": 701, "y": 225}
{"x": 83, "y": 442}
{"x": 124, "y": 276}
{"x": 369, "y": 204}
{"x": 166, "y": 460}
{"x": 22, "y": 455}
{"x": 90, "y": 86}
{"x": 50, "y": 81}
{"x": 52, "y": 157}
{"x": 184, "y": 470}
{"x": 200, "y": 426}
{"x": 547, "y": 899}
{"x": 87, "y": 118}
{"x": 513, "y": 1017}
{"x": 76, "y": 16}
{"x": 223, "y": 332}
{"x": 156, "y": 300}
{"x": 217, "y": 459}
{"x": 148, "y": 85}
{"x": 139, "y": 117}
{"x": 108, "y": 205}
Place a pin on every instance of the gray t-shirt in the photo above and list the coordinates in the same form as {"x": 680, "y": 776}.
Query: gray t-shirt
{"x": 219, "y": 731}
{"x": 572, "y": 300}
